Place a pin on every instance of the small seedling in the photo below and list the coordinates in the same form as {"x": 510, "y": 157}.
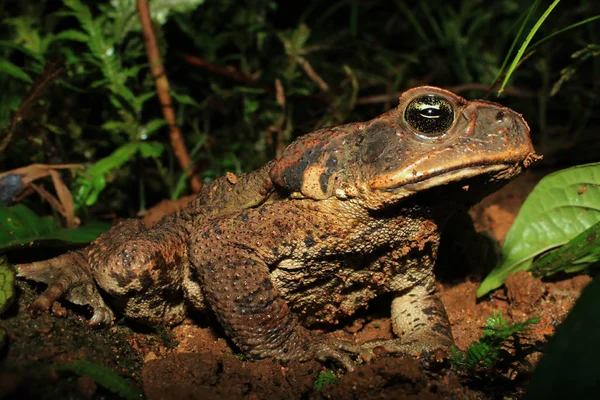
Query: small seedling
{"x": 166, "y": 336}
{"x": 492, "y": 349}
{"x": 325, "y": 378}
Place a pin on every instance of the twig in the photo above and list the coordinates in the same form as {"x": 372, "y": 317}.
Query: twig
{"x": 164, "y": 96}
{"x": 229, "y": 72}
{"x": 236, "y": 75}
{"x": 66, "y": 199}
{"x": 277, "y": 128}
{"x": 312, "y": 74}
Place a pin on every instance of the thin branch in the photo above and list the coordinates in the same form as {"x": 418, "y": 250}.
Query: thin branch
{"x": 312, "y": 74}
{"x": 164, "y": 96}
{"x": 277, "y": 128}
{"x": 229, "y": 72}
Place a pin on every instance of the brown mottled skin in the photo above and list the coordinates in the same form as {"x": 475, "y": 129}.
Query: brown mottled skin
{"x": 347, "y": 213}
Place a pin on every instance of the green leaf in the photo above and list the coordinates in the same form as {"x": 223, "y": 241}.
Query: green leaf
{"x": 122, "y": 155}
{"x": 104, "y": 377}
{"x": 184, "y": 99}
{"x": 323, "y": 379}
{"x": 559, "y": 208}
{"x": 526, "y": 42}
{"x": 151, "y": 149}
{"x": 152, "y": 127}
{"x": 11, "y": 69}
{"x": 115, "y": 126}
{"x": 71, "y": 34}
{"x": 20, "y": 226}
{"x": 91, "y": 182}
{"x": 489, "y": 350}
{"x": 7, "y": 285}
{"x": 569, "y": 368}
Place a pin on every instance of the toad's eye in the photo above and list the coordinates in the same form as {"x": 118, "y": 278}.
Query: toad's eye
{"x": 429, "y": 115}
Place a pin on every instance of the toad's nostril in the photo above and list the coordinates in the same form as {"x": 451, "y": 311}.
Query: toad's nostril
{"x": 500, "y": 116}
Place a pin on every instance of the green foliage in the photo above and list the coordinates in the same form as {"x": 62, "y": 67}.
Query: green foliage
{"x": 7, "y": 293}
{"x": 560, "y": 207}
{"x": 569, "y": 367}
{"x": 166, "y": 336}
{"x": 591, "y": 50}
{"x": 7, "y": 285}
{"x": 104, "y": 377}
{"x": 20, "y": 226}
{"x": 325, "y": 378}
{"x": 527, "y": 40}
{"x": 11, "y": 69}
{"x": 492, "y": 349}
{"x": 90, "y": 183}
{"x": 102, "y": 55}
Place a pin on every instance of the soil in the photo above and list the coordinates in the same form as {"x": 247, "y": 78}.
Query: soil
{"x": 196, "y": 361}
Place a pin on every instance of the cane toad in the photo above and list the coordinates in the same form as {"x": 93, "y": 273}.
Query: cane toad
{"x": 347, "y": 213}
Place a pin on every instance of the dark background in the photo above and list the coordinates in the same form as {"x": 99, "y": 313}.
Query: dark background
{"x": 366, "y": 51}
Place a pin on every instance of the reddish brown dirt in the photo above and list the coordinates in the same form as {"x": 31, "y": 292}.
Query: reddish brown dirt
{"x": 196, "y": 361}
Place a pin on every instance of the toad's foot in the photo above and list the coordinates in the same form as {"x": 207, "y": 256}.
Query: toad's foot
{"x": 323, "y": 349}
{"x": 420, "y": 322}
{"x": 67, "y": 276}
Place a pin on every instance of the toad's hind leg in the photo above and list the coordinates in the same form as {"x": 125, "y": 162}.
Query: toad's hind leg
{"x": 67, "y": 276}
{"x": 140, "y": 269}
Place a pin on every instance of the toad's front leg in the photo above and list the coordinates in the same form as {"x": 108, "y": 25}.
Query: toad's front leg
{"x": 419, "y": 320}
{"x": 229, "y": 259}
{"x": 140, "y": 269}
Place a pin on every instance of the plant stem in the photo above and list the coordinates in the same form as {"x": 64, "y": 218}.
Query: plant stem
{"x": 164, "y": 95}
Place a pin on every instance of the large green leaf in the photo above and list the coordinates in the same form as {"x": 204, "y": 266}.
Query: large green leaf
{"x": 20, "y": 226}
{"x": 559, "y": 208}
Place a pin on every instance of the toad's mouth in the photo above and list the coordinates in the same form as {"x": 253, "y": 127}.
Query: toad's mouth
{"x": 494, "y": 173}
{"x": 419, "y": 177}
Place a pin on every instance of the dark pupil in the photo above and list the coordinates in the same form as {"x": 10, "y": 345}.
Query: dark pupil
{"x": 429, "y": 115}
